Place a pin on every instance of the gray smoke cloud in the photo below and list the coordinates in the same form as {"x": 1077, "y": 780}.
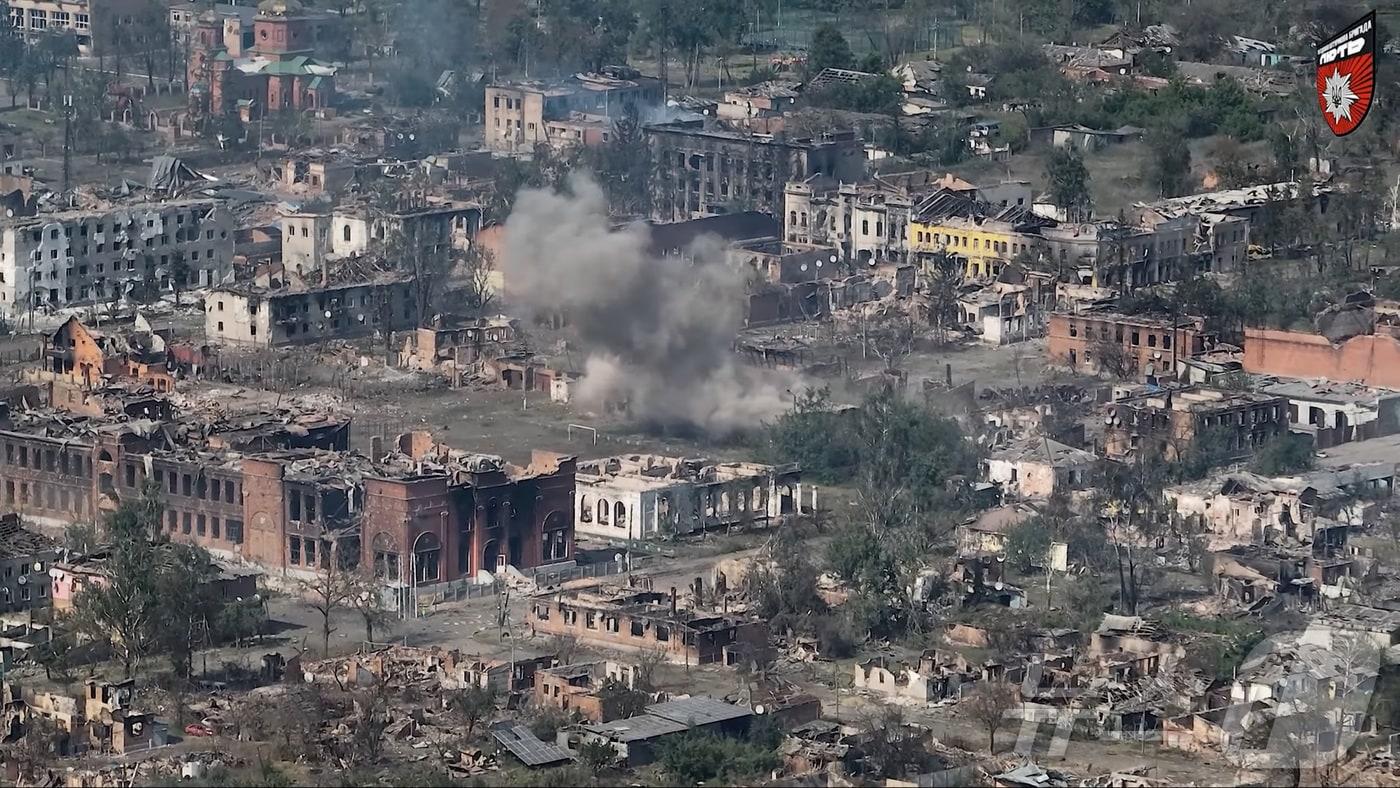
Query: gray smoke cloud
{"x": 658, "y": 330}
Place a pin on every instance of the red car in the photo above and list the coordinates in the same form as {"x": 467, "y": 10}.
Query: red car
{"x": 195, "y": 729}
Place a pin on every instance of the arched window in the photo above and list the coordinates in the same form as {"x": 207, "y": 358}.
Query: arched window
{"x": 346, "y": 233}
{"x": 427, "y": 552}
{"x": 585, "y": 509}
{"x": 604, "y": 509}
{"x": 386, "y": 558}
{"x": 620, "y": 515}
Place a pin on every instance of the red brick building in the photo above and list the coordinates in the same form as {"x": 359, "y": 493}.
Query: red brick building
{"x": 278, "y": 73}
{"x": 1148, "y": 347}
{"x": 293, "y": 500}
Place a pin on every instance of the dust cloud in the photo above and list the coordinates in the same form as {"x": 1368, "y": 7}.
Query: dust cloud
{"x": 658, "y": 331}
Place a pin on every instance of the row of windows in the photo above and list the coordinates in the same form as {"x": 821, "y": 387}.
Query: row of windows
{"x": 636, "y": 628}
{"x": 54, "y": 497}
{"x": 180, "y": 235}
{"x": 190, "y": 486}
{"x": 1161, "y": 339}
{"x": 51, "y": 460}
{"x": 205, "y": 526}
{"x": 951, "y": 240}
{"x": 308, "y": 551}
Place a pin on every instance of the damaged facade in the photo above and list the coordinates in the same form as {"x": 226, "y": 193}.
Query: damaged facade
{"x": 290, "y": 310}
{"x": 1170, "y": 423}
{"x": 705, "y": 169}
{"x": 289, "y": 496}
{"x": 646, "y": 496}
{"x": 636, "y": 620}
{"x": 82, "y": 256}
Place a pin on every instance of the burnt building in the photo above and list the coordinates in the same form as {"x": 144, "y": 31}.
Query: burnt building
{"x": 705, "y": 169}
{"x": 1173, "y": 423}
{"x": 292, "y": 498}
{"x": 630, "y": 619}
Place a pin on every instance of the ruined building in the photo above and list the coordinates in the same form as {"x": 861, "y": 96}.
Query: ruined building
{"x": 287, "y": 494}
{"x": 629, "y": 619}
{"x": 1173, "y": 423}
{"x": 574, "y": 111}
{"x": 86, "y": 255}
{"x": 703, "y": 170}
{"x": 645, "y": 496}
{"x": 290, "y": 310}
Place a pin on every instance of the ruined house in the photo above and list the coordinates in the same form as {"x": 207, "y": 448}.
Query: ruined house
{"x": 79, "y": 355}
{"x": 453, "y": 345}
{"x": 1132, "y": 646}
{"x": 1171, "y": 423}
{"x": 1315, "y": 508}
{"x": 1039, "y": 468}
{"x": 894, "y": 680}
{"x": 646, "y": 496}
{"x": 636, "y": 739}
{"x": 634, "y": 620}
{"x": 575, "y": 689}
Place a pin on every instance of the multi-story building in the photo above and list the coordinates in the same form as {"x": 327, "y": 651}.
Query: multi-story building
{"x": 1172, "y": 423}
{"x": 1137, "y": 346}
{"x": 292, "y": 498}
{"x": 92, "y": 22}
{"x": 309, "y": 238}
{"x": 292, "y": 311}
{"x": 868, "y": 222}
{"x": 78, "y": 256}
{"x": 1124, "y": 255}
{"x": 521, "y": 115}
{"x": 239, "y": 25}
{"x": 702, "y": 170}
{"x": 986, "y": 235}
{"x": 643, "y": 496}
{"x": 25, "y": 558}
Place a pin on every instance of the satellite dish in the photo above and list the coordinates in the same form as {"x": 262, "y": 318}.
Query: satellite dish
{"x": 872, "y": 262}
{"x": 328, "y": 314}
{"x": 819, "y": 263}
{"x": 38, "y": 566}
{"x": 997, "y": 585}
{"x": 759, "y": 709}
{"x": 803, "y": 267}
{"x": 23, "y": 579}
{"x": 617, "y": 558}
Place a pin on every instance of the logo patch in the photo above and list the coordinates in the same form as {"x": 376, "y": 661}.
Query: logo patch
{"x": 1346, "y": 75}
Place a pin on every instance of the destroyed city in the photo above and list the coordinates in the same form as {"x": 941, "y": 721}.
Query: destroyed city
{"x": 811, "y": 393}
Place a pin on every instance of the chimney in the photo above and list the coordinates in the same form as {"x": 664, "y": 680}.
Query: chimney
{"x": 325, "y": 272}
{"x": 673, "y": 600}
{"x": 376, "y": 448}
{"x": 948, "y": 374}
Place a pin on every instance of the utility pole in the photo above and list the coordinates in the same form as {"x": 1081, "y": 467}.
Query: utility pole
{"x": 67, "y": 140}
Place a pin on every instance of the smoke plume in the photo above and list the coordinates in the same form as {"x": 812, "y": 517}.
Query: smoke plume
{"x": 658, "y": 331}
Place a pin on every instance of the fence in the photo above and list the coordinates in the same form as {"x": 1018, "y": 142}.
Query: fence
{"x": 459, "y": 590}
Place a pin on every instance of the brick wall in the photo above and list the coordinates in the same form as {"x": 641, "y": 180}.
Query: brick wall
{"x": 1373, "y": 359}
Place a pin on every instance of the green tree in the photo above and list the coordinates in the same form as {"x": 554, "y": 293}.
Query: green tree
{"x": 704, "y": 758}
{"x": 1284, "y": 455}
{"x": 1028, "y": 545}
{"x": 1171, "y": 162}
{"x": 596, "y": 754}
{"x": 829, "y": 50}
{"x": 475, "y": 704}
{"x": 1069, "y": 181}
{"x": 620, "y": 701}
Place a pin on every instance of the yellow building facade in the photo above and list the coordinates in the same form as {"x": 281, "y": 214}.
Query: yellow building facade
{"x": 987, "y": 246}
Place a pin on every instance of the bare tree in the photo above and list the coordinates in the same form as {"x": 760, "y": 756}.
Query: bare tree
{"x": 332, "y": 589}
{"x": 478, "y": 264}
{"x": 988, "y": 705}
{"x": 474, "y": 704}
{"x": 34, "y": 751}
{"x": 367, "y": 599}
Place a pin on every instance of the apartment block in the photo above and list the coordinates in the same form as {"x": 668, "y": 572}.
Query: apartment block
{"x": 86, "y": 255}
{"x": 93, "y": 23}
{"x": 702, "y": 169}
{"x": 311, "y": 238}
{"x": 575, "y": 111}
{"x": 25, "y": 558}
{"x": 292, "y": 311}
{"x": 868, "y": 222}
